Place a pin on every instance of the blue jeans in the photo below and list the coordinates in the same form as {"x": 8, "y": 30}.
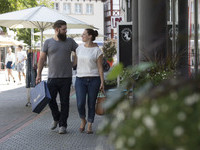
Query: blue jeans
{"x": 87, "y": 86}
{"x": 61, "y": 86}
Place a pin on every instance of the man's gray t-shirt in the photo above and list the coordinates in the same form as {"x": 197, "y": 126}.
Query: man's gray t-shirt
{"x": 58, "y": 53}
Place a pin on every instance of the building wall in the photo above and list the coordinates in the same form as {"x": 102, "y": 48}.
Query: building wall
{"x": 111, "y": 9}
{"x": 191, "y": 31}
{"x": 96, "y": 18}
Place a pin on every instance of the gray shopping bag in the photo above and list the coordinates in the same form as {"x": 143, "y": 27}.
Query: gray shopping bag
{"x": 40, "y": 97}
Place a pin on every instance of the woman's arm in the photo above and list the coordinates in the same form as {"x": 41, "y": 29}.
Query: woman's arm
{"x": 75, "y": 58}
{"x": 100, "y": 68}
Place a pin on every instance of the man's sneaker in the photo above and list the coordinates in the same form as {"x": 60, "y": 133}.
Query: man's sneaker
{"x": 28, "y": 104}
{"x": 54, "y": 125}
{"x": 62, "y": 130}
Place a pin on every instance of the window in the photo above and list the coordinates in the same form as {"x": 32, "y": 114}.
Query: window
{"x": 116, "y": 4}
{"x": 56, "y": 6}
{"x": 67, "y": 8}
{"x": 89, "y": 9}
{"x": 78, "y": 9}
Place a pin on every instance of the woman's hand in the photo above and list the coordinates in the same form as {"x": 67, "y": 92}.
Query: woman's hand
{"x": 102, "y": 87}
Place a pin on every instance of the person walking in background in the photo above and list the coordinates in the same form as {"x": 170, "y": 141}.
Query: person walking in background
{"x": 10, "y": 60}
{"x": 58, "y": 50}
{"x": 21, "y": 57}
{"x": 89, "y": 77}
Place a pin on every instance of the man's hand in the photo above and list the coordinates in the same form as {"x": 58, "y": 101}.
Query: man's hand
{"x": 38, "y": 79}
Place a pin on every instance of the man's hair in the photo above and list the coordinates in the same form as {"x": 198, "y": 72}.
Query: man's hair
{"x": 59, "y": 23}
{"x": 20, "y": 46}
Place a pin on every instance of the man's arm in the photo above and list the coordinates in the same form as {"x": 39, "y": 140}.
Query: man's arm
{"x": 41, "y": 61}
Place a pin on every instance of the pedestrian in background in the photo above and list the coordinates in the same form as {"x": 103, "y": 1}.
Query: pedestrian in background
{"x": 58, "y": 50}
{"x": 21, "y": 57}
{"x": 89, "y": 77}
{"x": 10, "y": 61}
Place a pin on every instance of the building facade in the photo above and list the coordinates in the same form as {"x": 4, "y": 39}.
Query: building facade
{"x": 191, "y": 31}
{"x": 89, "y": 11}
{"x": 112, "y": 17}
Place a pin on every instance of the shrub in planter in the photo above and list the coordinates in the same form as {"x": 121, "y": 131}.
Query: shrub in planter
{"x": 164, "y": 118}
{"x": 109, "y": 84}
{"x": 140, "y": 80}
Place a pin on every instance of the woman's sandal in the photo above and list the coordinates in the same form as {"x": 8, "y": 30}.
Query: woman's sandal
{"x": 83, "y": 129}
{"x": 89, "y": 132}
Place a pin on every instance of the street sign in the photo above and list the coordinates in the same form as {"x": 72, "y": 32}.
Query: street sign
{"x": 125, "y": 43}
{"x": 115, "y": 20}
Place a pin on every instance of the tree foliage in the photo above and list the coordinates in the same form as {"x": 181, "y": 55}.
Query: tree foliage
{"x": 13, "y": 5}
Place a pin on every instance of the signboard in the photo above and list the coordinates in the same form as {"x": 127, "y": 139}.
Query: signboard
{"x": 125, "y": 43}
{"x": 115, "y": 20}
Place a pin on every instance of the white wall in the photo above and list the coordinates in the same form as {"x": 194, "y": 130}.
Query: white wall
{"x": 96, "y": 19}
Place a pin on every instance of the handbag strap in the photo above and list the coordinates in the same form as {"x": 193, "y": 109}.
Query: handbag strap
{"x": 101, "y": 94}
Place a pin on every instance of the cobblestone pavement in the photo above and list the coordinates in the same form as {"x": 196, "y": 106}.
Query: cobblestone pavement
{"x": 13, "y": 97}
{"x": 20, "y": 129}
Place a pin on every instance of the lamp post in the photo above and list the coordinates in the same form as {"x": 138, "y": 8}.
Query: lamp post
{"x": 182, "y": 39}
{"x": 196, "y": 36}
{"x": 174, "y": 27}
{"x": 135, "y": 51}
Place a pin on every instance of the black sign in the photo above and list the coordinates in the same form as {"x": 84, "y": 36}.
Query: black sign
{"x": 125, "y": 44}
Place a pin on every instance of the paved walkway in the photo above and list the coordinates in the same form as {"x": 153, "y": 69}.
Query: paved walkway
{"x": 20, "y": 129}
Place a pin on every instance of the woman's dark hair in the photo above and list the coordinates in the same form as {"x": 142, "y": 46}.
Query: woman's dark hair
{"x": 92, "y": 32}
{"x": 59, "y": 23}
{"x": 20, "y": 46}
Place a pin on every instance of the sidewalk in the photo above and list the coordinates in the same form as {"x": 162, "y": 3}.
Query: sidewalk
{"x": 33, "y": 133}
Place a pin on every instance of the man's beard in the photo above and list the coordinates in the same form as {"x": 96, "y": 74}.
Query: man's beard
{"x": 61, "y": 37}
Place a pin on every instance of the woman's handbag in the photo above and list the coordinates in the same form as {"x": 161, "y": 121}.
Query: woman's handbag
{"x": 99, "y": 104}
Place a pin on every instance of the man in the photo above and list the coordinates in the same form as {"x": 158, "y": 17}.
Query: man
{"x": 21, "y": 57}
{"x": 58, "y": 50}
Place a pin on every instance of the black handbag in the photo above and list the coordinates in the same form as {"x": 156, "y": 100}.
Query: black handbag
{"x": 39, "y": 97}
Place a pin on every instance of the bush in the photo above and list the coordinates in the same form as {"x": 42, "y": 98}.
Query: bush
{"x": 165, "y": 118}
{"x": 157, "y": 111}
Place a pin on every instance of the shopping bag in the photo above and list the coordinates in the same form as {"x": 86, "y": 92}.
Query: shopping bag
{"x": 39, "y": 97}
{"x": 99, "y": 103}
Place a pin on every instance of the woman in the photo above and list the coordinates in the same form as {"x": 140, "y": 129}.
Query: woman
{"x": 10, "y": 60}
{"x": 89, "y": 77}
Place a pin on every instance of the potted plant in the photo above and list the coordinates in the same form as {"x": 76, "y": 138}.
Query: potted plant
{"x": 109, "y": 50}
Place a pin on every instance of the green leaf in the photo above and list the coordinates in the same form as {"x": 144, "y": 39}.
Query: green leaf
{"x": 117, "y": 70}
{"x": 143, "y": 66}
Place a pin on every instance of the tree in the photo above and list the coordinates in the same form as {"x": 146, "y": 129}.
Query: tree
{"x": 25, "y": 35}
{"x": 13, "y": 5}
{"x": 47, "y": 3}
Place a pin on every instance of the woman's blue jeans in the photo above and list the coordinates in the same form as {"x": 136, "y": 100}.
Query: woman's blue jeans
{"x": 87, "y": 87}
